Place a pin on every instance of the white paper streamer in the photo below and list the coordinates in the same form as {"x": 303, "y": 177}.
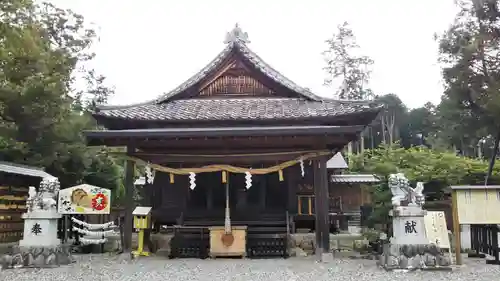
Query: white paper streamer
{"x": 86, "y": 232}
{"x": 150, "y": 174}
{"x": 302, "y": 171}
{"x": 192, "y": 180}
{"x": 93, "y": 226}
{"x": 248, "y": 179}
{"x": 86, "y": 241}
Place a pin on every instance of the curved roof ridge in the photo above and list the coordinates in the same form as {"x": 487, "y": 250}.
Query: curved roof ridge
{"x": 198, "y": 76}
{"x": 251, "y": 56}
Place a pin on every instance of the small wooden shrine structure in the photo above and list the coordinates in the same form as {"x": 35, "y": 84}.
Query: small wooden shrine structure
{"x": 244, "y": 138}
{"x": 347, "y": 197}
{"x": 14, "y": 182}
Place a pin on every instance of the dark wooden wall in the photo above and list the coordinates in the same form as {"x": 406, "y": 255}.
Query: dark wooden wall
{"x": 267, "y": 194}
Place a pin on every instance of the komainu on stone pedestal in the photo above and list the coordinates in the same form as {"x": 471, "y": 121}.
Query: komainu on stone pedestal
{"x": 40, "y": 246}
{"x": 410, "y": 247}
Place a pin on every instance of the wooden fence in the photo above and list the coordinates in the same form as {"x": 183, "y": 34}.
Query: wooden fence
{"x": 484, "y": 240}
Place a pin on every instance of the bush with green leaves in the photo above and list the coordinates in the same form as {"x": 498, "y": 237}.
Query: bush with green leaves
{"x": 438, "y": 170}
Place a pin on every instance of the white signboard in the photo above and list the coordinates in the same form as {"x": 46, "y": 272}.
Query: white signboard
{"x": 436, "y": 230}
{"x": 84, "y": 199}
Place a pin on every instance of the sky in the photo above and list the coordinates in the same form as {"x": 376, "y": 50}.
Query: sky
{"x": 149, "y": 47}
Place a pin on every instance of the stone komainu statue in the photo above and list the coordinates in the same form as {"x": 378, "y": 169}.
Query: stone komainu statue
{"x": 402, "y": 191}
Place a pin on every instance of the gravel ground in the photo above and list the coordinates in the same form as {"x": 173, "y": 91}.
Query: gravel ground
{"x": 113, "y": 268}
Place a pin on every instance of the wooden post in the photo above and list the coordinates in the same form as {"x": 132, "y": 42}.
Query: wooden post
{"x": 318, "y": 210}
{"x": 325, "y": 220}
{"x": 129, "y": 202}
{"x": 456, "y": 227}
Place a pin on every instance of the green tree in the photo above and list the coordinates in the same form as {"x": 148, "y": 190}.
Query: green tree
{"x": 469, "y": 51}
{"x": 344, "y": 65}
{"x": 438, "y": 170}
{"x": 42, "y": 116}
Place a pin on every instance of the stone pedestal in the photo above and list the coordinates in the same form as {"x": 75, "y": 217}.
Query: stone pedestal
{"x": 412, "y": 257}
{"x": 38, "y": 257}
{"x": 40, "y": 229}
{"x": 408, "y": 225}
{"x": 410, "y": 248}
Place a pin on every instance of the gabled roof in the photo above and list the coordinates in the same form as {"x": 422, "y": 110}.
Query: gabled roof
{"x": 237, "y": 40}
{"x": 337, "y": 162}
{"x": 175, "y": 106}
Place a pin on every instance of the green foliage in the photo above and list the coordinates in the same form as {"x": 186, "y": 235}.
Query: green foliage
{"x": 42, "y": 116}
{"x": 438, "y": 170}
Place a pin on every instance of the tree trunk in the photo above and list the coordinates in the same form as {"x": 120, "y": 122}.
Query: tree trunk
{"x": 493, "y": 158}
{"x": 362, "y": 142}
{"x": 382, "y": 122}
{"x": 390, "y": 127}
{"x": 349, "y": 150}
{"x": 372, "y": 142}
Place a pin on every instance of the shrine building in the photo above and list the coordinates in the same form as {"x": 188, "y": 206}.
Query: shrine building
{"x": 232, "y": 149}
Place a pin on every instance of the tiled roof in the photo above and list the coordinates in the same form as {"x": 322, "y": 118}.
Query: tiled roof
{"x": 354, "y": 178}
{"x": 19, "y": 169}
{"x": 305, "y": 106}
{"x": 237, "y": 109}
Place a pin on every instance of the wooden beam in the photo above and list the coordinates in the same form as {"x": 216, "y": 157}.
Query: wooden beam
{"x": 224, "y": 151}
{"x": 247, "y": 142}
{"x": 129, "y": 201}
{"x": 219, "y": 159}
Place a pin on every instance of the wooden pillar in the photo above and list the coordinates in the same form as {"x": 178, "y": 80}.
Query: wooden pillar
{"x": 318, "y": 215}
{"x": 129, "y": 201}
{"x": 325, "y": 220}
{"x": 291, "y": 183}
{"x": 456, "y": 227}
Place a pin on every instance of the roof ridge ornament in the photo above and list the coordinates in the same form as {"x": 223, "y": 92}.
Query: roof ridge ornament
{"x": 236, "y": 35}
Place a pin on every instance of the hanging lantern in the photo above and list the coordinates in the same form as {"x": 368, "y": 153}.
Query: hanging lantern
{"x": 150, "y": 174}
{"x": 280, "y": 173}
{"x": 172, "y": 178}
{"x": 224, "y": 176}
{"x": 302, "y": 171}
{"x": 248, "y": 179}
{"x": 192, "y": 180}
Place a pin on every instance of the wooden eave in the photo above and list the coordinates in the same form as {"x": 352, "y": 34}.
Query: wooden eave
{"x": 127, "y": 137}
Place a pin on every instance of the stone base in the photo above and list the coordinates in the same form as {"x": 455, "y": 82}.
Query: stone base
{"x": 40, "y": 229}
{"x": 26, "y": 257}
{"x": 412, "y": 257}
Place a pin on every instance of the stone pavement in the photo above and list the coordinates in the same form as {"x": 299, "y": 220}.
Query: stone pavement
{"x": 116, "y": 268}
